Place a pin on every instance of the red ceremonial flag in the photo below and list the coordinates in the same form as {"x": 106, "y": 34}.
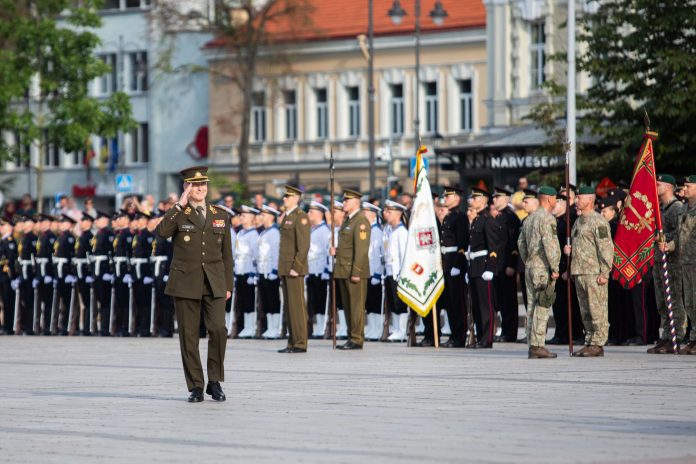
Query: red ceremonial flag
{"x": 640, "y": 218}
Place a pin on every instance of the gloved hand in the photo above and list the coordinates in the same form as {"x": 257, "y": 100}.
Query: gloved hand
{"x": 89, "y": 279}
{"x": 325, "y": 275}
{"x": 376, "y": 279}
{"x": 108, "y": 277}
{"x": 34, "y": 283}
{"x": 15, "y": 284}
{"x": 273, "y": 275}
{"x": 48, "y": 279}
{"x": 454, "y": 272}
{"x": 147, "y": 280}
{"x": 70, "y": 279}
{"x": 165, "y": 278}
{"x": 127, "y": 279}
{"x": 487, "y": 276}
{"x": 251, "y": 280}
{"x": 466, "y": 277}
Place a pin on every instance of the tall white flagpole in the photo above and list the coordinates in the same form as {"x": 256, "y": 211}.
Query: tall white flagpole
{"x": 570, "y": 124}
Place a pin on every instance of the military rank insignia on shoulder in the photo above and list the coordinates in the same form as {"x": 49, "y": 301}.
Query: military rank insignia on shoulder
{"x": 213, "y": 209}
{"x": 303, "y": 221}
{"x": 187, "y": 211}
{"x": 363, "y": 232}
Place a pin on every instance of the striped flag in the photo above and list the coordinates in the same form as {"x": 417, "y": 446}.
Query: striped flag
{"x": 421, "y": 280}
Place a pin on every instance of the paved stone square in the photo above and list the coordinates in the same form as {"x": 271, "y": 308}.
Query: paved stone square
{"x": 78, "y": 399}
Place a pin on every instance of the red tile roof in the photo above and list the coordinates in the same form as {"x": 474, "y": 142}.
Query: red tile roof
{"x": 340, "y": 19}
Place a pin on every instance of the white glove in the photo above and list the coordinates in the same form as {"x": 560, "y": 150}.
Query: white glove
{"x": 166, "y": 278}
{"x": 70, "y": 279}
{"x": 127, "y": 279}
{"x": 251, "y": 280}
{"x": 89, "y": 279}
{"x": 15, "y": 284}
{"x": 108, "y": 277}
{"x": 487, "y": 276}
{"x": 454, "y": 272}
{"x": 325, "y": 276}
{"x": 147, "y": 280}
{"x": 374, "y": 281}
{"x": 272, "y": 276}
{"x": 48, "y": 279}
{"x": 466, "y": 277}
{"x": 35, "y": 283}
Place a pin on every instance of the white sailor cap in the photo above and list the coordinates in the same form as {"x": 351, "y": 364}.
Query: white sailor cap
{"x": 249, "y": 209}
{"x": 269, "y": 210}
{"x": 367, "y": 206}
{"x": 389, "y": 204}
{"x": 338, "y": 205}
{"x": 226, "y": 209}
{"x": 318, "y": 206}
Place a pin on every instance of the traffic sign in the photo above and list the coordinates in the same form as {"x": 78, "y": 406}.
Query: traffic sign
{"x": 124, "y": 183}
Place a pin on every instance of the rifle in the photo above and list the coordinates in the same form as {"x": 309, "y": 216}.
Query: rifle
{"x": 54, "y": 308}
{"x": 71, "y": 313}
{"x": 153, "y": 301}
{"x": 386, "y": 314}
{"x": 17, "y": 311}
{"x": 131, "y": 310}
{"x": 92, "y": 309}
{"x": 333, "y": 242}
{"x": 112, "y": 310}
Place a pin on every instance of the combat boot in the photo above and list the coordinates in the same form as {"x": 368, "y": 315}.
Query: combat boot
{"x": 659, "y": 344}
{"x": 667, "y": 348}
{"x": 581, "y": 351}
{"x": 592, "y": 351}
{"x": 688, "y": 349}
{"x": 540, "y": 352}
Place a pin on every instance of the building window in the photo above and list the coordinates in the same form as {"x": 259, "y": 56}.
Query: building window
{"x": 108, "y": 83}
{"x": 397, "y": 109}
{"x": 290, "y": 115}
{"x": 140, "y": 144}
{"x": 258, "y": 115}
{"x": 466, "y": 114}
{"x": 137, "y": 63}
{"x": 322, "y": 114}
{"x": 537, "y": 55}
{"x": 431, "y": 107}
{"x": 22, "y": 153}
{"x": 111, "y": 4}
{"x": 51, "y": 153}
{"x": 353, "y": 111}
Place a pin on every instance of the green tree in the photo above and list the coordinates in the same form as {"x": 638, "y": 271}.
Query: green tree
{"x": 46, "y": 63}
{"x": 640, "y": 55}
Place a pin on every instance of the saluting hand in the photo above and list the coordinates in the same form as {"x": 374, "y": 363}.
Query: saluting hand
{"x": 183, "y": 199}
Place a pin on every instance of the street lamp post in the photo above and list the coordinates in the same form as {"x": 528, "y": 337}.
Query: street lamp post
{"x": 438, "y": 15}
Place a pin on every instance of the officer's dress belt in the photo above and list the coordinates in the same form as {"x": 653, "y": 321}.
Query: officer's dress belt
{"x": 451, "y": 249}
{"x": 42, "y": 264}
{"x": 137, "y": 262}
{"x": 59, "y": 262}
{"x": 476, "y": 254}
{"x": 117, "y": 261}
{"x": 97, "y": 260}
{"x": 25, "y": 263}
{"x": 79, "y": 262}
{"x": 157, "y": 261}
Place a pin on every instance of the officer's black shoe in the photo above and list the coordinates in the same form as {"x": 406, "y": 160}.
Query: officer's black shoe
{"x": 349, "y": 345}
{"x": 287, "y": 349}
{"x": 215, "y": 390}
{"x": 426, "y": 342}
{"x": 635, "y": 341}
{"x": 297, "y": 350}
{"x": 196, "y": 395}
{"x": 86, "y": 334}
{"x": 482, "y": 346}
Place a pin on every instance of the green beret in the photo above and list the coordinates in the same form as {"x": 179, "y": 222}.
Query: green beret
{"x": 690, "y": 179}
{"x": 667, "y": 179}
{"x": 586, "y": 190}
{"x": 547, "y": 190}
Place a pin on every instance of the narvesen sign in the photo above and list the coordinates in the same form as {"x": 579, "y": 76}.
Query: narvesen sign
{"x": 529, "y": 161}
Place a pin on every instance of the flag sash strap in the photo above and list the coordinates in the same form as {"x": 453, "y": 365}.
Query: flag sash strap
{"x": 634, "y": 244}
{"x": 421, "y": 280}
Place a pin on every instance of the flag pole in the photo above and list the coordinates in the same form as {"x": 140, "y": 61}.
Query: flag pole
{"x": 663, "y": 254}
{"x": 333, "y": 244}
{"x": 569, "y": 292}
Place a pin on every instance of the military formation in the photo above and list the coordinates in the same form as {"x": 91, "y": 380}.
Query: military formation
{"x": 128, "y": 273}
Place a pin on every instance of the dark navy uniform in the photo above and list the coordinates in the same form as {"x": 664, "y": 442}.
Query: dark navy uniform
{"x": 64, "y": 250}
{"x": 122, "y": 277}
{"x": 85, "y": 279}
{"x": 102, "y": 250}
{"x": 484, "y": 240}
{"x": 8, "y": 273}
{"x": 27, "y": 252}
{"x": 45, "y": 275}
{"x": 161, "y": 261}
{"x": 142, "y": 279}
{"x": 454, "y": 241}
{"x": 506, "y": 286}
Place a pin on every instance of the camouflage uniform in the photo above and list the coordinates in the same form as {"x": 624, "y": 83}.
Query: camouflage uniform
{"x": 541, "y": 253}
{"x": 686, "y": 248}
{"x": 670, "y": 221}
{"x": 592, "y": 256}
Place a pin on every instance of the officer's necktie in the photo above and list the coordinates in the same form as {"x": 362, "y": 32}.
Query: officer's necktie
{"x": 199, "y": 216}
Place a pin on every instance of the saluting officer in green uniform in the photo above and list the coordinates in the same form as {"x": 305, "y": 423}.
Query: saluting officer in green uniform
{"x": 200, "y": 278}
{"x": 352, "y": 267}
{"x": 292, "y": 267}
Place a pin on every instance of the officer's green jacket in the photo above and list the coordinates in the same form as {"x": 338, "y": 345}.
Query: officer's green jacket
{"x": 353, "y": 245}
{"x": 198, "y": 252}
{"x": 294, "y": 243}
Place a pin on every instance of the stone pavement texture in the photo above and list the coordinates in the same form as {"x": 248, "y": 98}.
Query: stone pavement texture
{"x": 79, "y": 400}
